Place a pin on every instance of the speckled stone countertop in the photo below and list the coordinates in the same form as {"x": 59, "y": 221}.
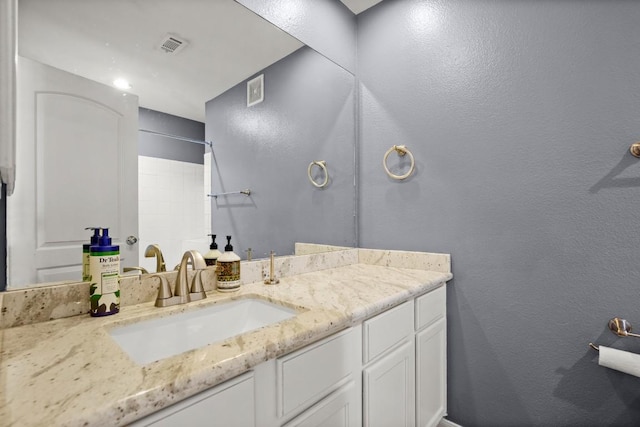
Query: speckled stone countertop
{"x": 69, "y": 371}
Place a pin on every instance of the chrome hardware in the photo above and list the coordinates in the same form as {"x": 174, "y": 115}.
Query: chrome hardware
{"x": 132, "y": 240}
{"x": 323, "y": 167}
{"x": 180, "y": 138}
{"x": 272, "y": 277}
{"x": 620, "y": 327}
{"x": 142, "y": 270}
{"x": 401, "y": 150}
{"x": 183, "y": 293}
{"x": 154, "y": 251}
{"x": 246, "y": 192}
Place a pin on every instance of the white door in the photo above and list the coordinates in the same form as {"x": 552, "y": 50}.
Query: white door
{"x": 78, "y": 167}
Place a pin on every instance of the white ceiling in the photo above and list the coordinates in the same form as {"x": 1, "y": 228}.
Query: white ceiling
{"x": 358, "y": 6}
{"x": 107, "y": 39}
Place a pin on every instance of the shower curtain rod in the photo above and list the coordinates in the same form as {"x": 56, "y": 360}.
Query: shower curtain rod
{"x": 181, "y": 138}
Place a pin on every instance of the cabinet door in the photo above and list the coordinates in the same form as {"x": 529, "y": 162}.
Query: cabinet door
{"x": 230, "y": 404}
{"x": 340, "y": 409}
{"x": 308, "y": 375}
{"x": 389, "y": 389}
{"x": 431, "y": 374}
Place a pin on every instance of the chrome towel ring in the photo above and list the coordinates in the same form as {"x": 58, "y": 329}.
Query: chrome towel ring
{"x": 401, "y": 150}
{"x": 322, "y": 165}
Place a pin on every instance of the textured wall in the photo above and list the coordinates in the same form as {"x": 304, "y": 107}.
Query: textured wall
{"x": 3, "y": 239}
{"x": 327, "y": 26}
{"x": 520, "y": 115}
{"x": 169, "y": 148}
{"x": 307, "y": 115}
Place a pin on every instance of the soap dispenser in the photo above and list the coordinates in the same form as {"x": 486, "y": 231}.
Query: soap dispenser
{"x": 229, "y": 269}
{"x": 86, "y": 250}
{"x": 104, "y": 268}
{"x": 212, "y": 256}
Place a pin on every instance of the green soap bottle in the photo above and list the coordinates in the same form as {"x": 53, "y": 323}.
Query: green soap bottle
{"x": 104, "y": 267}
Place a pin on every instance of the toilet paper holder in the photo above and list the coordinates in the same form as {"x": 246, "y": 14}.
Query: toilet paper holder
{"x": 620, "y": 327}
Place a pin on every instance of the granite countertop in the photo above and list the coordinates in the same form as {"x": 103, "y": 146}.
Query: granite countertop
{"x": 70, "y": 372}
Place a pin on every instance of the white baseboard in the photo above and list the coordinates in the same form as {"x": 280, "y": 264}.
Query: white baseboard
{"x": 446, "y": 423}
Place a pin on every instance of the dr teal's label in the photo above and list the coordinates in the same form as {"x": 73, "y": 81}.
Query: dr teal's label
{"x": 104, "y": 268}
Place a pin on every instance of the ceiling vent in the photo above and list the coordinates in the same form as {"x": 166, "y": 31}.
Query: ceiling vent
{"x": 172, "y": 43}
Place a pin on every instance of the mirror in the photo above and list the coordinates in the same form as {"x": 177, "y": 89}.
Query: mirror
{"x": 307, "y": 114}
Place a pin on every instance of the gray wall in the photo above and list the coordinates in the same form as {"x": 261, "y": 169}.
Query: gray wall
{"x": 3, "y": 238}
{"x": 307, "y": 115}
{"x": 327, "y": 26}
{"x": 169, "y": 148}
{"x": 520, "y": 115}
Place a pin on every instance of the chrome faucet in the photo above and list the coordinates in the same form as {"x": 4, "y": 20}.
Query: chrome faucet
{"x": 154, "y": 251}
{"x": 183, "y": 293}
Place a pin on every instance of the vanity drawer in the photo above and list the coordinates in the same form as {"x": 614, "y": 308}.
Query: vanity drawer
{"x": 384, "y": 331}
{"x": 307, "y": 375}
{"x": 430, "y": 307}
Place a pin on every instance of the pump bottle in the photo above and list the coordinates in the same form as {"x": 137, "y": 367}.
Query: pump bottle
{"x": 212, "y": 256}
{"x": 229, "y": 273}
{"x": 104, "y": 268}
{"x": 86, "y": 249}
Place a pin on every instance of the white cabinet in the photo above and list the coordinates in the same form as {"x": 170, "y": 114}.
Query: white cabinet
{"x": 431, "y": 374}
{"x": 230, "y": 404}
{"x": 381, "y": 373}
{"x": 431, "y": 358}
{"x": 406, "y": 384}
{"x": 389, "y": 373}
{"x": 308, "y": 375}
{"x": 388, "y": 389}
{"x": 340, "y": 409}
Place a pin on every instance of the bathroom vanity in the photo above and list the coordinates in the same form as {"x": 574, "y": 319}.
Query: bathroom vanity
{"x": 367, "y": 346}
{"x": 379, "y": 373}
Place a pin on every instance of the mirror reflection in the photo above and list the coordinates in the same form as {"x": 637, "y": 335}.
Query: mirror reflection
{"x": 177, "y": 57}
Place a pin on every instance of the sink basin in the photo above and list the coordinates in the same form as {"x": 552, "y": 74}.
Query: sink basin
{"x": 155, "y": 339}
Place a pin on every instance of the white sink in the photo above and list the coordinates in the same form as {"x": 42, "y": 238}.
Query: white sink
{"x": 155, "y": 339}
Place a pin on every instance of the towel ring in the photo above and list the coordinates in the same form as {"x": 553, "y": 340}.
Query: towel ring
{"x": 401, "y": 150}
{"x": 322, "y": 165}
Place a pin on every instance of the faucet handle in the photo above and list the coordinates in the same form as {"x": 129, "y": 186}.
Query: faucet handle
{"x": 197, "y": 290}
{"x": 164, "y": 291}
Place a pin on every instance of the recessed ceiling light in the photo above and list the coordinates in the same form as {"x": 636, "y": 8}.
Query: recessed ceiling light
{"x": 121, "y": 84}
